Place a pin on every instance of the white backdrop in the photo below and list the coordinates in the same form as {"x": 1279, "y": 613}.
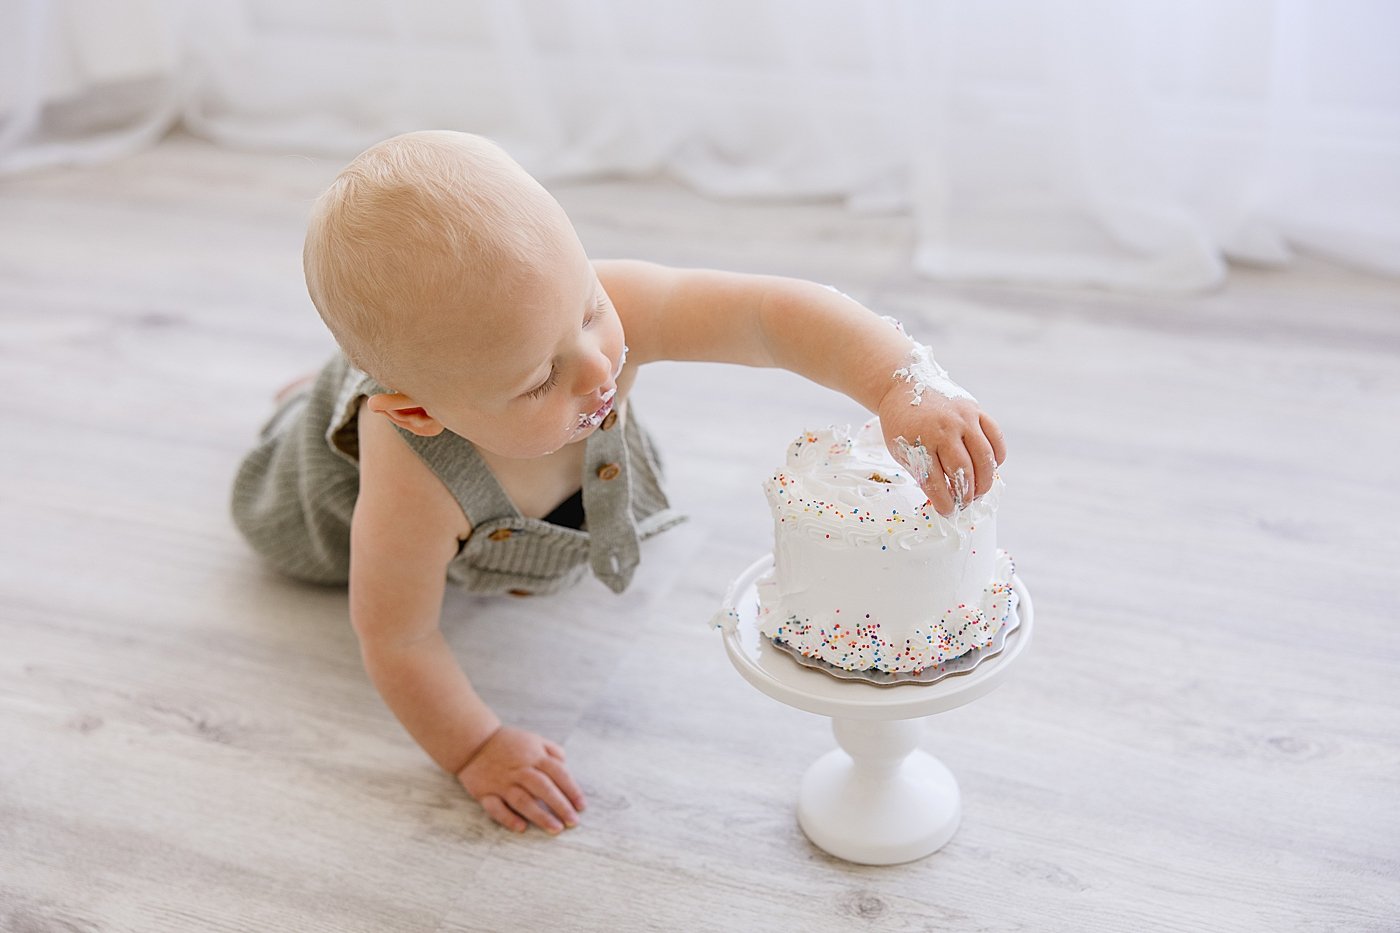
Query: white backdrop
{"x": 1133, "y": 144}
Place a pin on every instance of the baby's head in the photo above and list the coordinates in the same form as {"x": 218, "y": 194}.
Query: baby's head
{"x": 445, "y": 271}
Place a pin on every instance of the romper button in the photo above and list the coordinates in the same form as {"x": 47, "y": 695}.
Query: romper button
{"x": 609, "y": 471}
{"x": 500, "y": 534}
{"x": 518, "y": 592}
{"x": 609, "y": 421}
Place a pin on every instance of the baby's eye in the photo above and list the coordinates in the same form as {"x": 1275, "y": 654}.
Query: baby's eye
{"x": 600, "y": 306}
{"x": 545, "y": 386}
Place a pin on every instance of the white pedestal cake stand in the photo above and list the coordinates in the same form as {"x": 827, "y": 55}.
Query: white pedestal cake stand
{"x": 878, "y": 799}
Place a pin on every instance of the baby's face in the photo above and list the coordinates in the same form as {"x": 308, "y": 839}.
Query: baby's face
{"x": 542, "y": 358}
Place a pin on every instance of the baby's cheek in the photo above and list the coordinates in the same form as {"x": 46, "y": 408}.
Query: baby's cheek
{"x": 523, "y": 437}
{"x": 539, "y": 437}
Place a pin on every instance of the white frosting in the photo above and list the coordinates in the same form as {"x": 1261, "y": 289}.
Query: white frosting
{"x": 923, "y": 371}
{"x": 915, "y": 458}
{"x": 895, "y": 323}
{"x": 958, "y": 483}
{"x": 866, "y": 573}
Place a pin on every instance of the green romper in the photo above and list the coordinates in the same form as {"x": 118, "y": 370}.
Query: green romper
{"x": 295, "y": 493}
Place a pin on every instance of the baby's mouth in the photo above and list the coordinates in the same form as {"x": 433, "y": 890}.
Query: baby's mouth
{"x": 587, "y": 421}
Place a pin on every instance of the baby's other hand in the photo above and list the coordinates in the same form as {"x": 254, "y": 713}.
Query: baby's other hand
{"x": 949, "y": 445}
{"x": 517, "y": 776}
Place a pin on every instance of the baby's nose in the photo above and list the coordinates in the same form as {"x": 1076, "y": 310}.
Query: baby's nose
{"x": 594, "y": 374}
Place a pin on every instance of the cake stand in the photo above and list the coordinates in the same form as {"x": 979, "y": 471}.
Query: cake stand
{"x": 878, "y": 799}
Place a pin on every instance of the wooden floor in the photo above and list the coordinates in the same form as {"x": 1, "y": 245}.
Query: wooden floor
{"x": 1203, "y": 496}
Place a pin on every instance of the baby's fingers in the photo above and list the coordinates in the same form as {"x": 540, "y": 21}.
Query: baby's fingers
{"x": 924, "y": 467}
{"x": 524, "y": 803}
{"x": 496, "y": 808}
{"x": 546, "y": 792}
{"x": 564, "y": 780}
{"x": 983, "y": 461}
{"x": 994, "y": 436}
{"x": 936, "y": 488}
{"x": 960, "y": 476}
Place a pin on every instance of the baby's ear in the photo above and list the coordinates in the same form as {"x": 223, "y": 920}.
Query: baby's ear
{"x": 406, "y": 413}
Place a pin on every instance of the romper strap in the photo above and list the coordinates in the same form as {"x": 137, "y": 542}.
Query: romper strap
{"x": 613, "y": 550}
{"x": 457, "y": 463}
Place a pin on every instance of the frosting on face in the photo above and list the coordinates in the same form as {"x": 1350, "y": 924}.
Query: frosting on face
{"x": 589, "y": 421}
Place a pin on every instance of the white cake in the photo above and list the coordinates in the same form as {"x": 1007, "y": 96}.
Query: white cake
{"x": 867, "y": 576}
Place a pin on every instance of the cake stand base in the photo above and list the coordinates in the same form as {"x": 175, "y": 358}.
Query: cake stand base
{"x": 878, "y": 800}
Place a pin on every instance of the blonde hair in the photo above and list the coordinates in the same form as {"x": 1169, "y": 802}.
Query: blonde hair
{"x": 410, "y": 233}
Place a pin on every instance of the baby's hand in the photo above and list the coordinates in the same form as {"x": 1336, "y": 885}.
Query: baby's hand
{"x": 517, "y": 776}
{"x": 948, "y": 444}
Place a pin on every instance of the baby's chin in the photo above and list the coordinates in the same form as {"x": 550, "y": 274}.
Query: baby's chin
{"x": 580, "y": 433}
{"x": 518, "y": 450}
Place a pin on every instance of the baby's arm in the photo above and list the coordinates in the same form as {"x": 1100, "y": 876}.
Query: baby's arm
{"x": 404, "y": 532}
{"x": 812, "y": 330}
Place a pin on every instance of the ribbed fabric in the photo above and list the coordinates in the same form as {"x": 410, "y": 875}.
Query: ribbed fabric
{"x": 295, "y": 493}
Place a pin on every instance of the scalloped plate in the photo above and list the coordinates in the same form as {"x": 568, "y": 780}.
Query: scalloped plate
{"x": 962, "y": 664}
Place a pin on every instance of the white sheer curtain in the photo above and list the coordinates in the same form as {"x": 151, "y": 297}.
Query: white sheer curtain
{"x": 1133, "y": 144}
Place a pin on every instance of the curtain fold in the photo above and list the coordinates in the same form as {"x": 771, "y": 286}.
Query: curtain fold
{"x": 1129, "y": 144}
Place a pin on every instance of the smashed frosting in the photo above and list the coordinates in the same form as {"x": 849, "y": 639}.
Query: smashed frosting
{"x": 866, "y": 573}
{"x": 922, "y": 371}
{"x": 915, "y": 458}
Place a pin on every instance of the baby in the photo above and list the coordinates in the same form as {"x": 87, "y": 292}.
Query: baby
{"x": 476, "y": 425}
